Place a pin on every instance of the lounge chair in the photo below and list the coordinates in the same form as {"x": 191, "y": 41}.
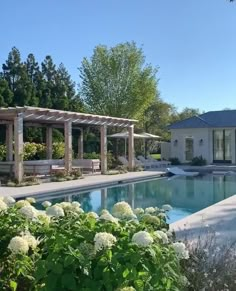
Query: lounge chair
{"x": 162, "y": 163}
{"x": 125, "y": 162}
{"x": 146, "y": 162}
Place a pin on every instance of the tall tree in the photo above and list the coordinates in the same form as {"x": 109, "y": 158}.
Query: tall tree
{"x": 116, "y": 81}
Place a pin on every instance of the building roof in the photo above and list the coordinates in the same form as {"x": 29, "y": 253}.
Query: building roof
{"x": 223, "y": 118}
{"x": 53, "y": 116}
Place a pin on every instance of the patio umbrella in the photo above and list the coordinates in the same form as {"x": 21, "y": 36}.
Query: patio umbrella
{"x": 124, "y": 135}
{"x": 149, "y": 135}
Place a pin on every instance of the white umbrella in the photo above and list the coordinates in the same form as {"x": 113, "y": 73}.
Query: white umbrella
{"x": 149, "y": 135}
{"x": 125, "y": 136}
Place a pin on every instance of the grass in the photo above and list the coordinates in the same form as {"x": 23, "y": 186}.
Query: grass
{"x": 156, "y": 156}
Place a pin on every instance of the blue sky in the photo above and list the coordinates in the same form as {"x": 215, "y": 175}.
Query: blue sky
{"x": 193, "y": 42}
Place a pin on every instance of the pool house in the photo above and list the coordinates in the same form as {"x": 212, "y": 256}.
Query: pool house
{"x": 14, "y": 119}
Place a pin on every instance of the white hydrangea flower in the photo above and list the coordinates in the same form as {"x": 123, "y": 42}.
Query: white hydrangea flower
{"x": 29, "y": 211}
{"x": 31, "y": 240}
{"x": 166, "y": 207}
{"x": 138, "y": 211}
{"x": 18, "y": 245}
{"x": 180, "y": 250}
{"x": 162, "y": 215}
{"x": 31, "y": 200}
{"x": 142, "y": 239}
{"x": 9, "y": 200}
{"x": 3, "y": 206}
{"x": 43, "y": 217}
{"x": 76, "y": 203}
{"x": 123, "y": 210}
{"x": 22, "y": 203}
{"x": 109, "y": 217}
{"x": 77, "y": 209}
{"x": 127, "y": 289}
{"x": 162, "y": 236}
{"x": 104, "y": 240}
{"x": 104, "y": 211}
{"x": 150, "y": 210}
{"x": 93, "y": 214}
{"x": 65, "y": 205}
{"x": 46, "y": 204}
{"x": 55, "y": 210}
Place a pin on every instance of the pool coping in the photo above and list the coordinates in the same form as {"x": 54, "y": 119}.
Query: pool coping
{"x": 218, "y": 219}
{"x": 81, "y": 185}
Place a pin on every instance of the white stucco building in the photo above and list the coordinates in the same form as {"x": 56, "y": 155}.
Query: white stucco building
{"x": 210, "y": 135}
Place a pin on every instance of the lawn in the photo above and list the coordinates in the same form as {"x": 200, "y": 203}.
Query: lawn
{"x": 156, "y": 156}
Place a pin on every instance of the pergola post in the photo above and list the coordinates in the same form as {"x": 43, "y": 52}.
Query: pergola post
{"x": 9, "y": 142}
{"x": 103, "y": 131}
{"x": 68, "y": 145}
{"x": 131, "y": 147}
{"x": 81, "y": 144}
{"x": 49, "y": 142}
{"x": 18, "y": 147}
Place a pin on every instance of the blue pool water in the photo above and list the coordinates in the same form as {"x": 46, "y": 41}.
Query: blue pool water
{"x": 185, "y": 194}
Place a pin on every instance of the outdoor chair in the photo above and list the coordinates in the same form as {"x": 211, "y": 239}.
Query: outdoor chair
{"x": 147, "y": 162}
{"x": 144, "y": 163}
{"x": 161, "y": 163}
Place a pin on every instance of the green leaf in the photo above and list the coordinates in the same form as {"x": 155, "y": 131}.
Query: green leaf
{"x": 68, "y": 261}
{"x": 68, "y": 281}
{"x": 13, "y": 285}
{"x": 58, "y": 268}
{"x": 125, "y": 273}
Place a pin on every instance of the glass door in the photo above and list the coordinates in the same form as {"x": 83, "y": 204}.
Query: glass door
{"x": 188, "y": 149}
{"x": 222, "y": 146}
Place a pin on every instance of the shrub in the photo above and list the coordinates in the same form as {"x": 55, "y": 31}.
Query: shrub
{"x": 63, "y": 248}
{"x": 198, "y": 161}
{"x": 174, "y": 161}
{"x": 3, "y": 152}
{"x": 92, "y": 156}
{"x": 212, "y": 266}
{"x": 58, "y": 150}
{"x": 122, "y": 169}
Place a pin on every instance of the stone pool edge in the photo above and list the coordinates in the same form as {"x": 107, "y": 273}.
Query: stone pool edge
{"x": 86, "y": 184}
{"x": 218, "y": 219}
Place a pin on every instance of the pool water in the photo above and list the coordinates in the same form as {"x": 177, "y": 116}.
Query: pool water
{"x": 186, "y": 195}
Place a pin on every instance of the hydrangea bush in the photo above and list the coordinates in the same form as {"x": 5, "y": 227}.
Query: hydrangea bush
{"x": 63, "y": 248}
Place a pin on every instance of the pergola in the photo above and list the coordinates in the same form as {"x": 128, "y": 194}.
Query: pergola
{"x": 15, "y": 118}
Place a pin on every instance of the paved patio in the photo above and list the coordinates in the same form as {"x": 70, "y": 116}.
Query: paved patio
{"x": 89, "y": 182}
{"x": 220, "y": 218}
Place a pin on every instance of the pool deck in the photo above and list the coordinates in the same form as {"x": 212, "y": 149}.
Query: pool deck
{"x": 219, "y": 218}
{"x": 89, "y": 182}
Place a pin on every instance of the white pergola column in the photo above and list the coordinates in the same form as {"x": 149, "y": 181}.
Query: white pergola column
{"x": 18, "y": 147}
{"x": 9, "y": 142}
{"x": 81, "y": 145}
{"x": 68, "y": 145}
{"x": 103, "y": 130}
{"x": 49, "y": 142}
{"x": 131, "y": 147}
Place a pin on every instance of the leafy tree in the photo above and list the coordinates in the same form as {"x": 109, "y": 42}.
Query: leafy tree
{"x": 157, "y": 117}
{"x": 6, "y": 94}
{"x": 185, "y": 113}
{"x": 116, "y": 81}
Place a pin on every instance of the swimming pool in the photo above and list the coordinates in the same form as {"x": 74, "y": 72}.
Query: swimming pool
{"x": 186, "y": 195}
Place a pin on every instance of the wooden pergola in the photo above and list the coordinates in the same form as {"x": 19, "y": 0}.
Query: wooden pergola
{"x": 15, "y": 118}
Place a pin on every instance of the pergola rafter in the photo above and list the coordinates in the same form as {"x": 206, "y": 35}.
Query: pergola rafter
{"x": 52, "y": 118}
